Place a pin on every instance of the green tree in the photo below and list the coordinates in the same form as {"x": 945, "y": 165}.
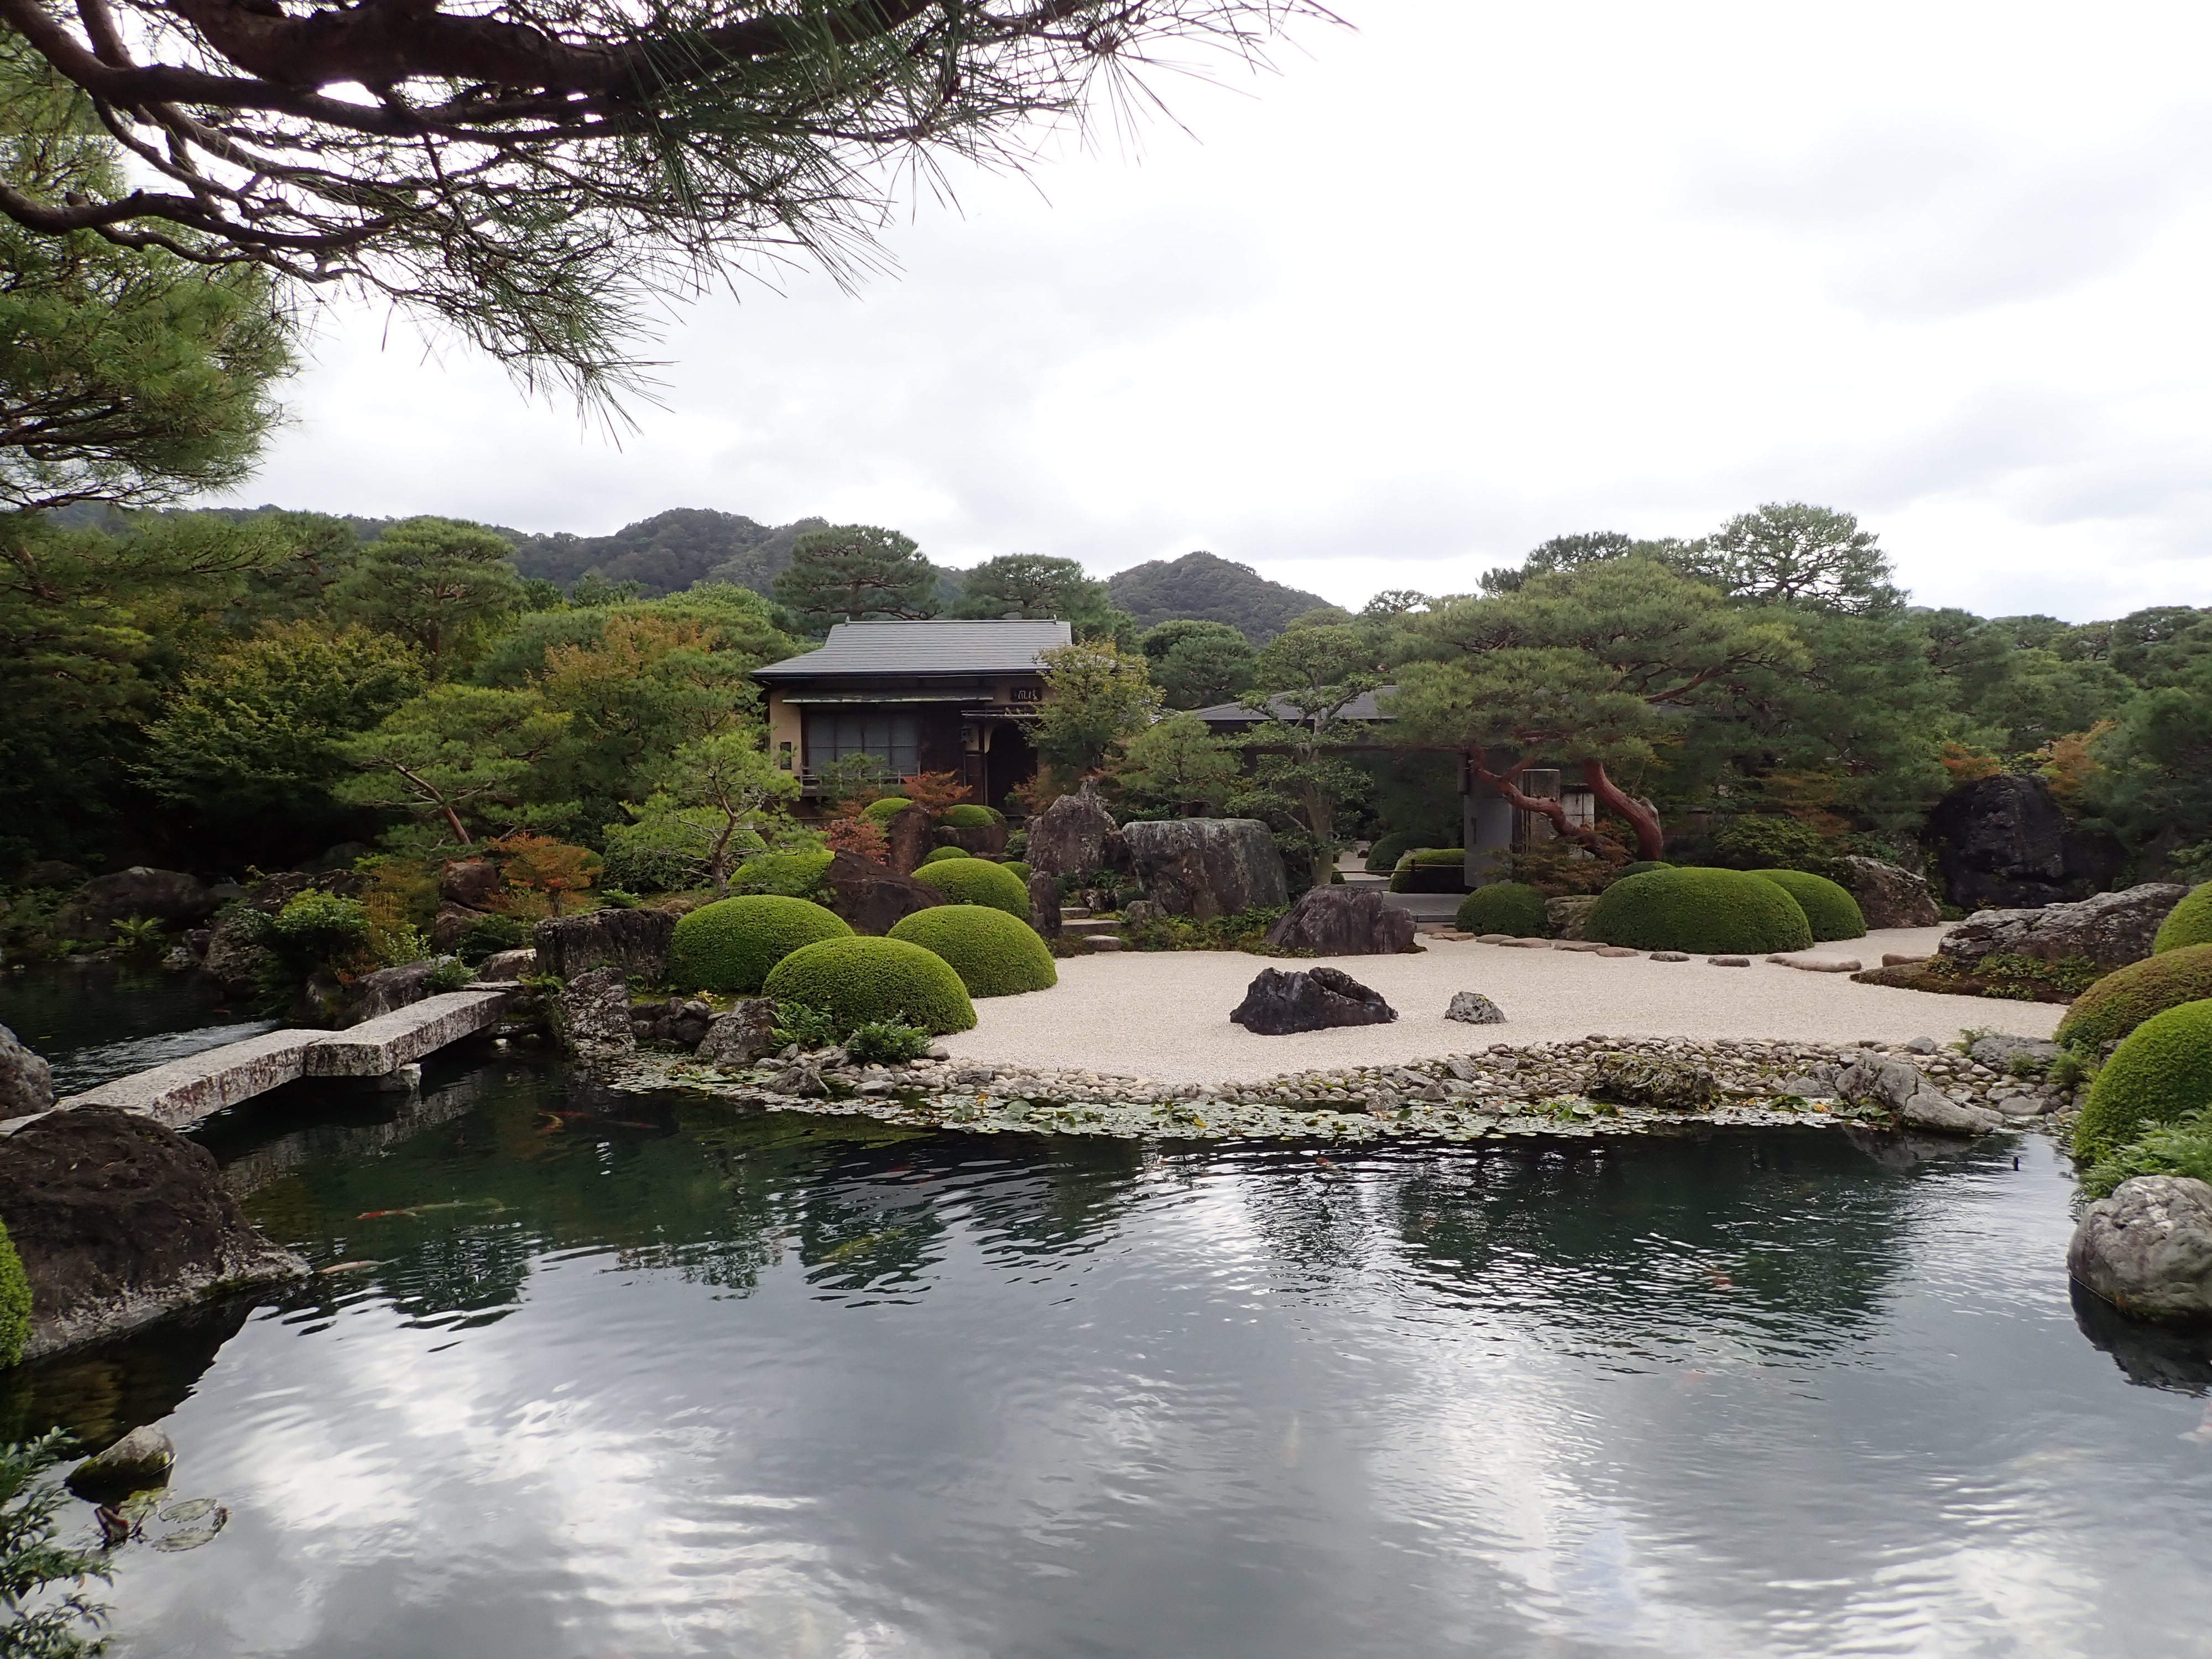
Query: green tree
{"x": 42, "y": 1581}
{"x": 458, "y": 754}
{"x": 1789, "y": 552}
{"x": 718, "y": 797}
{"x": 1097, "y": 697}
{"x": 2153, "y": 785}
{"x": 1198, "y": 664}
{"x": 856, "y": 571}
{"x": 442, "y": 584}
{"x": 1306, "y": 677}
{"x": 1178, "y": 762}
{"x": 1034, "y": 585}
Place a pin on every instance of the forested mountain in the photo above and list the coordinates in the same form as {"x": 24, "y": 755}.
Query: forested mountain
{"x": 669, "y": 551}
{"x": 1205, "y": 588}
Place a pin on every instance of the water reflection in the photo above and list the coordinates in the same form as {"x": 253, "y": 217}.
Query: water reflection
{"x": 95, "y": 1021}
{"x": 2149, "y": 1356}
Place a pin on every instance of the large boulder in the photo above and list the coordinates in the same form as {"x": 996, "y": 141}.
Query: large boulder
{"x": 873, "y": 898}
{"x": 1889, "y": 896}
{"x": 169, "y": 895}
{"x": 2001, "y": 841}
{"x": 983, "y": 840}
{"x": 118, "y": 1220}
{"x": 386, "y": 990}
{"x": 1899, "y": 1088}
{"x": 2112, "y": 929}
{"x": 679, "y": 1022}
{"x": 235, "y": 958}
{"x": 1076, "y": 835}
{"x": 1343, "y": 921}
{"x": 1207, "y": 867}
{"x": 2148, "y": 1249}
{"x": 26, "y": 1082}
{"x": 1652, "y": 1081}
{"x": 1044, "y": 904}
{"x": 593, "y": 1012}
{"x": 909, "y": 836}
{"x": 1278, "y": 1003}
{"x": 474, "y": 882}
{"x": 636, "y": 941}
{"x": 1570, "y": 915}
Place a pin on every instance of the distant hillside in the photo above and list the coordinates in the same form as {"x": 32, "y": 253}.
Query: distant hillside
{"x": 1205, "y": 588}
{"x": 669, "y": 551}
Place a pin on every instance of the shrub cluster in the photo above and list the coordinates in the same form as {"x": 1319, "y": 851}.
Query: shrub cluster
{"x": 793, "y": 875}
{"x": 994, "y": 954}
{"x": 884, "y": 810}
{"x": 2161, "y": 1075}
{"x": 977, "y": 881}
{"x": 1431, "y": 870}
{"x": 969, "y": 816}
{"x": 1831, "y": 910}
{"x": 1018, "y": 870}
{"x": 1504, "y": 907}
{"x": 14, "y": 1303}
{"x": 857, "y": 980}
{"x": 938, "y": 854}
{"x": 488, "y": 935}
{"x": 1241, "y": 929}
{"x": 1383, "y": 857}
{"x": 2126, "y": 997}
{"x": 1702, "y": 910}
{"x": 731, "y": 944}
{"x": 2179, "y": 1149}
{"x": 2188, "y": 923}
{"x": 315, "y": 930}
{"x": 886, "y": 1042}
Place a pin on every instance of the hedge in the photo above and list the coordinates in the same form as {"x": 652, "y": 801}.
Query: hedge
{"x": 886, "y": 809}
{"x": 2161, "y": 1073}
{"x": 2126, "y": 997}
{"x": 731, "y": 944}
{"x": 969, "y": 816}
{"x": 794, "y": 875}
{"x": 1383, "y": 857}
{"x": 938, "y": 854}
{"x": 994, "y": 955}
{"x": 1504, "y": 907}
{"x": 1830, "y": 909}
{"x": 861, "y": 980}
{"x": 1431, "y": 870}
{"x": 977, "y": 881}
{"x": 15, "y": 1302}
{"x": 1700, "y": 910}
{"x": 2188, "y": 923}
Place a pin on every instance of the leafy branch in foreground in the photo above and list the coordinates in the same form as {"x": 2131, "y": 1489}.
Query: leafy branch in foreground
{"x": 31, "y": 1562}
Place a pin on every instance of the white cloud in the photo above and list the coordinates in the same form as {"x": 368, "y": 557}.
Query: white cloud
{"x": 1460, "y": 279}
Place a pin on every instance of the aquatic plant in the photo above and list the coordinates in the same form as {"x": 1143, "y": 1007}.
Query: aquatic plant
{"x": 860, "y": 979}
{"x": 995, "y": 954}
{"x": 1831, "y": 911}
{"x": 731, "y": 944}
{"x": 1504, "y": 907}
{"x": 977, "y": 881}
{"x": 2161, "y": 1075}
{"x": 1704, "y": 910}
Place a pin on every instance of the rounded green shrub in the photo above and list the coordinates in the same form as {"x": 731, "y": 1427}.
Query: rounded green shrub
{"x": 2127, "y": 996}
{"x": 977, "y": 881}
{"x": 884, "y": 810}
{"x": 994, "y": 955}
{"x": 1383, "y": 857}
{"x": 860, "y": 980}
{"x": 969, "y": 816}
{"x": 1504, "y": 907}
{"x": 1830, "y": 909}
{"x": 15, "y": 1302}
{"x": 1643, "y": 865}
{"x": 938, "y": 854}
{"x": 2188, "y": 923}
{"x": 1431, "y": 870}
{"x": 731, "y": 944}
{"x": 794, "y": 875}
{"x": 1701, "y": 910}
{"x": 2161, "y": 1073}
{"x": 1018, "y": 870}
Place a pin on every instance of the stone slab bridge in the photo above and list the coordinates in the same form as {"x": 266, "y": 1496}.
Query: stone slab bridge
{"x": 184, "y": 1092}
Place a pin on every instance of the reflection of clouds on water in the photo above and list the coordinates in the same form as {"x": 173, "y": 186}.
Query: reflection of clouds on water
{"x": 89, "y": 1068}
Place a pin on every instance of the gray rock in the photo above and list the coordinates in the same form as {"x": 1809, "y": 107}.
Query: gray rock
{"x": 742, "y": 1037}
{"x": 1343, "y": 921}
{"x": 53, "y": 872}
{"x": 1142, "y": 912}
{"x": 1995, "y": 1052}
{"x": 386, "y": 989}
{"x": 1277, "y": 1003}
{"x": 1924, "y": 1045}
{"x": 1570, "y": 915}
{"x": 1889, "y": 896}
{"x": 26, "y": 1082}
{"x": 169, "y": 896}
{"x": 801, "y": 1079}
{"x": 1207, "y": 867}
{"x": 872, "y": 898}
{"x": 2111, "y": 929}
{"x": 1473, "y": 1008}
{"x": 503, "y": 965}
{"x": 2148, "y": 1249}
{"x": 139, "y": 1461}
{"x": 594, "y": 1014}
{"x": 1670, "y": 956}
{"x": 235, "y": 956}
{"x": 1729, "y": 962}
{"x": 679, "y": 1022}
{"x": 1076, "y": 835}
{"x": 1044, "y": 903}
{"x": 1932, "y": 1112}
{"x": 1652, "y": 1081}
{"x": 634, "y": 941}
{"x": 1877, "y": 1081}
{"x": 452, "y": 924}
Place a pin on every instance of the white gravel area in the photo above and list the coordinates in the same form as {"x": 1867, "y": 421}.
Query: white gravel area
{"x": 1164, "y": 1015}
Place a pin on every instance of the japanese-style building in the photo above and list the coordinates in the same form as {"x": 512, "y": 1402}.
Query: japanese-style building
{"x": 914, "y": 697}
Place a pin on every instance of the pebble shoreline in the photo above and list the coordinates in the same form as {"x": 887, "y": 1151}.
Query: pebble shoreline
{"x": 1500, "y": 1092}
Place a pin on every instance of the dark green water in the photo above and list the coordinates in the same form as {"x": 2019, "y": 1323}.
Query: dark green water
{"x": 639, "y": 1379}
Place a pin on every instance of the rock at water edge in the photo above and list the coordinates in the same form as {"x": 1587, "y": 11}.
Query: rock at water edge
{"x": 26, "y": 1082}
{"x": 745, "y": 1034}
{"x": 1657, "y": 1082}
{"x": 139, "y": 1461}
{"x": 1343, "y": 921}
{"x": 595, "y": 1015}
{"x": 2148, "y": 1249}
{"x": 169, "y": 895}
{"x": 635, "y": 941}
{"x": 1321, "y": 999}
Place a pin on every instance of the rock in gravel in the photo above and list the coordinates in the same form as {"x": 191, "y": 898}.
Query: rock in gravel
{"x": 2111, "y": 929}
{"x": 744, "y": 1035}
{"x": 2148, "y": 1249}
{"x": 1320, "y": 998}
{"x": 1586, "y": 945}
{"x": 26, "y": 1082}
{"x": 1617, "y": 950}
{"x": 1208, "y": 867}
{"x": 595, "y": 1015}
{"x": 1342, "y": 921}
{"x": 1670, "y": 956}
{"x": 635, "y": 941}
{"x": 1473, "y": 1008}
{"x": 1044, "y": 904}
{"x": 1729, "y": 962}
{"x": 118, "y": 1220}
{"x": 1889, "y": 896}
{"x": 1649, "y": 1080}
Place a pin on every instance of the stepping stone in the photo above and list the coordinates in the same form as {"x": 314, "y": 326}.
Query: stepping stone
{"x": 1896, "y": 959}
{"x": 1670, "y": 956}
{"x": 1616, "y": 950}
{"x": 1494, "y": 938}
{"x": 1729, "y": 962}
{"x": 1820, "y": 965}
{"x": 1576, "y": 945}
{"x": 1527, "y": 944}
{"x": 1104, "y": 942}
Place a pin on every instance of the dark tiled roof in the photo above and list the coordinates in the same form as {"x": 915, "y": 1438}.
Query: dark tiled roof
{"x": 907, "y": 648}
{"x": 1361, "y": 708}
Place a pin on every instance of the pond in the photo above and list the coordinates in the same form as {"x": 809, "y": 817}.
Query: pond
{"x": 619, "y": 1377}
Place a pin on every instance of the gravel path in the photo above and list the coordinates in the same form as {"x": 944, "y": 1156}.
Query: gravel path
{"x": 1164, "y": 1015}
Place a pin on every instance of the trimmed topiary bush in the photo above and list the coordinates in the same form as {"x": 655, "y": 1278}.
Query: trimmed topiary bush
{"x": 1709, "y": 911}
{"x": 794, "y": 875}
{"x": 15, "y": 1302}
{"x": 862, "y": 980}
{"x": 1643, "y": 865}
{"x": 1830, "y": 909}
{"x": 1431, "y": 870}
{"x": 884, "y": 810}
{"x": 994, "y": 955}
{"x": 1383, "y": 857}
{"x": 2188, "y": 923}
{"x": 1504, "y": 907}
{"x": 731, "y": 944}
{"x": 938, "y": 854}
{"x": 2161, "y": 1073}
{"x": 2126, "y": 997}
{"x": 969, "y": 816}
{"x": 977, "y": 881}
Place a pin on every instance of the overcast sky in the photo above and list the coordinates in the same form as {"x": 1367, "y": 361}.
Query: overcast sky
{"x": 1460, "y": 278}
